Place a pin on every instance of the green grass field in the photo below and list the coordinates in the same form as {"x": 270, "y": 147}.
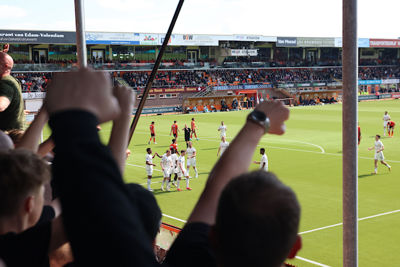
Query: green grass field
{"x": 307, "y": 158}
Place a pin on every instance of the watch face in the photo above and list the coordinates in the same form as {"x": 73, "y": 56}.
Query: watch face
{"x": 258, "y": 115}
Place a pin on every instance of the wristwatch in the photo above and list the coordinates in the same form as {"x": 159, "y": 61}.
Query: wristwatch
{"x": 259, "y": 118}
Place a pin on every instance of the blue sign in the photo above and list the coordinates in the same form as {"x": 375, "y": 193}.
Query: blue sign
{"x": 366, "y": 82}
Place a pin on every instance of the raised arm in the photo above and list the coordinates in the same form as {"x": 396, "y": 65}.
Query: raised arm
{"x": 230, "y": 165}
{"x": 31, "y": 137}
{"x": 120, "y": 131}
{"x": 77, "y": 103}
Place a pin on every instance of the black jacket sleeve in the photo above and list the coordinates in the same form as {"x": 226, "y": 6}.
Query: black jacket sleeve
{"x": 101, "y": 221}
{"x": 192, "y": 247}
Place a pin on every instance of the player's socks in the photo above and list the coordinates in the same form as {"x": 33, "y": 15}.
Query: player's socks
{"x": 162, "y": 185}
{"x": 197, "y": 174}
{"x": 187, "y": 182}
{"x": 376, "y": 170}
{"x": 168, "y": 186}
{"x": 148, "y": 184}
{"x": 389, "y": 167}
{"x": 178, "y": 183}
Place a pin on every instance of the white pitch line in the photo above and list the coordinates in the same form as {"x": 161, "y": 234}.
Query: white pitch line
{"x": 310, "y": 261}
{"x": 177, "y": 219}
{"x": 339, "y": 224}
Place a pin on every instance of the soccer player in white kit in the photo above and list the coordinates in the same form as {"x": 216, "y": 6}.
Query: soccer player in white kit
{"x": 222, "y": 146}
{"x": 174, "y": 158}
{"x": 149, "y": 166}
{"x": 191, "y": 158}
{"x": 264, "y": 160}
{"x": 222, "y": 129}
{"x": 182, "y": 172}
{"x": 166, "y": 166}
{"x": 386, "y": 119}
{"x": 379, "y": 154}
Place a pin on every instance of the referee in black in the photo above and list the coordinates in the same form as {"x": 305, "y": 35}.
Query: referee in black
{"x": 187, "y": 132}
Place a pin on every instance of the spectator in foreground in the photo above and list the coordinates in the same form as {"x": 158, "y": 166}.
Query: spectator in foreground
{"x": 93, "y": 195}
{"x": 5, "y": 142}
{"x": 254, "y": 216}
{"x": 24, "y": 242}
{"x": 11, "y": 103}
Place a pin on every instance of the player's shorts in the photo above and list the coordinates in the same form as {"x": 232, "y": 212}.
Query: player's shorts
{"x": 191, "y": 162}
{"x": 175, "y": 135}
{"x": 379, "y": 156}
{"x": 385, "y": 124}
{"x": 152, "y": 134}
{"x": 222, "y": 135}
{"x": 182, "y": 174}
{"x": 175, "y": 170}
{"x": 167, "y": 172}
{"x": 187, "y": 138}
{"x": 391, "y": 127}
{"x": 149, "y": 170}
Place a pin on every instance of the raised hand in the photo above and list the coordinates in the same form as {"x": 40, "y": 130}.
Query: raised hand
{"x": 277, "y": 114}
{"x": 84, "y": 89}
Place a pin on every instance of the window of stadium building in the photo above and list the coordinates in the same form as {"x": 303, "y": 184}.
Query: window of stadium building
{"x": 123, "y": 53}
{"x": 62, "y": 53}
{"x": 20, "y": 53}
{"x": 175, "y": 53}
{"x": 146, "y": 53}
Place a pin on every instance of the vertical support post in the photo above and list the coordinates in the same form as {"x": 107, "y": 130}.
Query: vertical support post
{"x": 80, "y": 33}
{"x": 349, "y": 137}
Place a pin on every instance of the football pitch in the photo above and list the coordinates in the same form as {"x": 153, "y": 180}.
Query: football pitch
{"x": 307, "y": 158}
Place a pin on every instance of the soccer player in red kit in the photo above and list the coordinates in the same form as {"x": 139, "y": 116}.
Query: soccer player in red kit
{"x": 359, "y": 134}
{"x": 152, "y": 133}
{"x": 174, "y": 130}
{"x": 390, "y": 127}
{"x": 194, "y": 129}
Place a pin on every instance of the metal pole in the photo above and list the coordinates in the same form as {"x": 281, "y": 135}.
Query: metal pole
{"x": 349, "y": 124}
{"x": 80, "y": 33}
{"x": 154, "y": 71}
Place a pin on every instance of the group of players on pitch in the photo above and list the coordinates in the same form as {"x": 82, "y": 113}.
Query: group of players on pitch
{"x": 173, "y": 162}
{"x": 388, "y": 126}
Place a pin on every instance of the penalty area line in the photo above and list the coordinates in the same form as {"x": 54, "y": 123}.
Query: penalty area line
{"x": 339, "y": 224}
{"x": 174, "y": 218}
{"x": 312, "y": 262}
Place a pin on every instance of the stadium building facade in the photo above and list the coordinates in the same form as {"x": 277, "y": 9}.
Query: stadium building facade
{"x": 296, "y": 68}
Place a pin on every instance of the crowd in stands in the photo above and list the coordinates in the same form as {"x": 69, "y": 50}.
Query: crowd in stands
{"x": 228, "y": 62}
{"x": 33, "y": 82}
{"x": 257, "y": 76}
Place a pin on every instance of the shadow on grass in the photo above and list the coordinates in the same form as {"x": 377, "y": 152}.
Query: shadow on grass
{"x": 160, "y": 192}
{"x": 367, "y": 175}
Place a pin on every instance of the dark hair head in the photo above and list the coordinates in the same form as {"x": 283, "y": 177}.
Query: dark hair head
{"x": 173, "y": 140}
{"x": 148, "y": 149}
{"x": 192, "y": 119}
{"x": 262, "y": 214}
{"x": 378, "y": 136}
{"x": 148, "y": 208}
{"x": 152, "y": 122}
{"x": 183, "y": 151}
{"x": 174, "y": 121}
{"x": 21, "y": 173}
{"x": 16, "y": 135}
{"x": 262, "y": 150}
